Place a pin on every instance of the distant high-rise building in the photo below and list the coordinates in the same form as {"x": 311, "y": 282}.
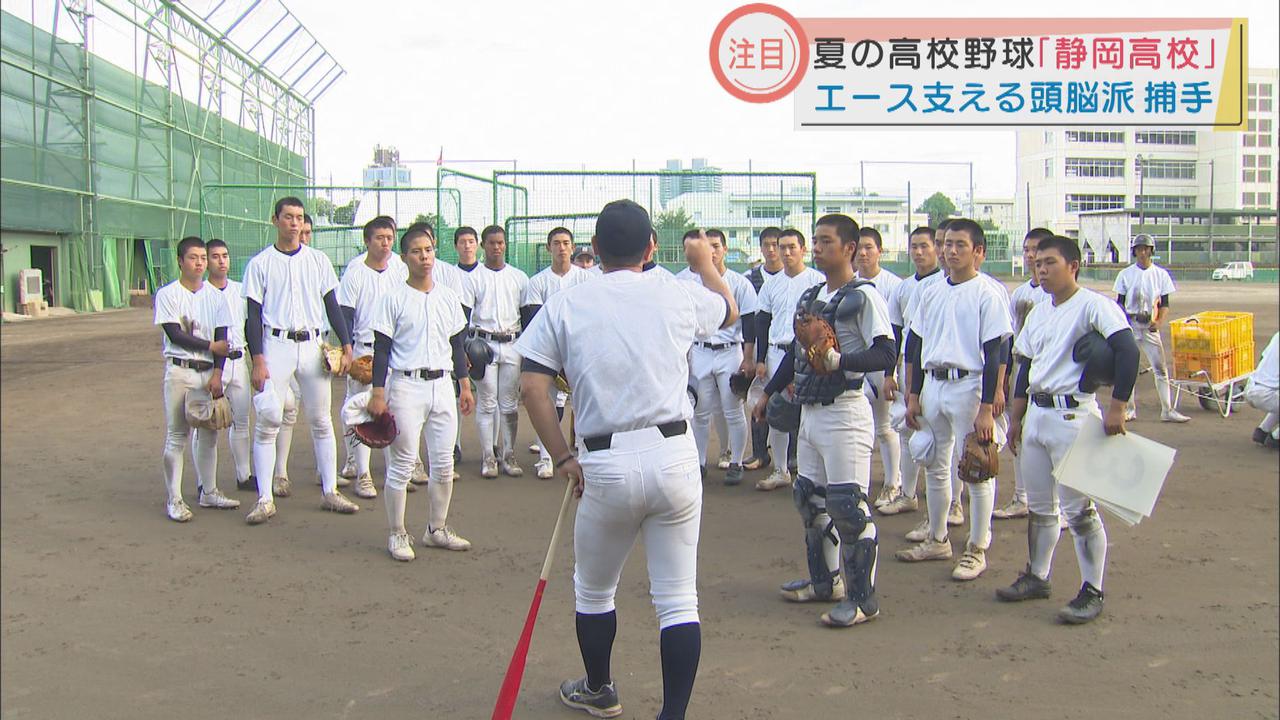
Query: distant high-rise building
{"x": 386, "y": 170}
{"x": 671, "y": 186}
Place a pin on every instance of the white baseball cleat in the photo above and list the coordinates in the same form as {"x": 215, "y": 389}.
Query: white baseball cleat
{"x": 900, "y": 504}
{"x": 1130, "y": 414}
{"x": 510, "y": 467}
{"x": 446, "y": 538}
{"x": 365, "y": 488}
{"x": 725, "y": 459}
{"x": 801, "y": 591}
{"x": 216, "y": 499}
{"x": 1014, "y": 509}
{"x": 779, "y": 478}
{"x": 1173, "y": 416}
{"x": 534, "y": 449}
{"x": 262, "y": 511}
{"x": 919, "y": 532}
{"x": 489, "y": 468}
{"x": 973, "y": 562}
{"x": 419, "y": 475}
{"x": 400, "y": 545}
{"x": 281, "y": 487}
{"x": 544, "y": 469}
{"x": 178, "y": 510}
{"x": 337, "y": 502}
{"x": 887, "y": 495}
{"x": 955, "y": 515}
{"x": 929, "y": 549}
{"x": 348, "y": 469}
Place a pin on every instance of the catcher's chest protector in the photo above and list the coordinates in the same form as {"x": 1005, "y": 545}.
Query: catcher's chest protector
{"x": 812, "y": 388}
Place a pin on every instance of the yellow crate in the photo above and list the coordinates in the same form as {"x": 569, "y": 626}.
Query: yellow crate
{"x": 1220, "y": 367}
{"x": 1212, "y": 333}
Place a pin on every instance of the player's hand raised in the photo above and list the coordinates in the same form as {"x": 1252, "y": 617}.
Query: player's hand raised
{"x": 697, "y": 251}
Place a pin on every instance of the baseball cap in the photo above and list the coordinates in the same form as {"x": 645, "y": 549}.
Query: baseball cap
{"x": 1143, "y": 239}
{"x": 582, "y": 250}
{"x": 623, "y": 228}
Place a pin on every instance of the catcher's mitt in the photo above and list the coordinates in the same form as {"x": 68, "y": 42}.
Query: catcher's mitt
{"x": 378, "y": 432}
{"x": 979, "y": 460}
{"x": 331, "y": 359}
{"x": 204, "y": 411}
{"x": 816, "y": 336}
{"x": 740, "y": 384}
{"x": 361, "y": 369}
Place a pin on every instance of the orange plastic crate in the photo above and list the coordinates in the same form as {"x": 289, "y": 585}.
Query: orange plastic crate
{"x": 1220, "y": 367}
{"x": 1211, "y": 333}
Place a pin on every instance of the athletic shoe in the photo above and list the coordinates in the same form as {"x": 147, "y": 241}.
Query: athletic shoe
{"x": 929, "y": 549}
{"x": 409, "y": 487}
{"x": 544, "y": 469}
{"x": 215, "y": 499}
{"x": 250, "y": 485}
{"x": 755, "y": 463}
{"x": 489, "y": 468}
{"x": 337, "y": 502}
{"x": 1086, "y": 606}
{"x": 733, "y": 476}
{"x": 1260, "y": 436}
{"x": 901, "y": 504}
{"x": 1131, "y": 415}
{"x": 973, "y": 562}
{"x": 801, "y": 591}
{"x": 725, "y": 459}
{"x": 281, "y": 487}
{"x": 1014, "y": 509}
{"x": 1173, "y": 416}
{"x": 1272, "y": 442}
{"x": 602, "y": 703}
{"x": 261, "y": 512}
{"x": 510, "y": 467}
{"x": 446, "y": 538}
{"x": 919, "y": 533}
{"x": 178, "y": 510}
{"x": 456, "y": 475}
{"x": 955, "y": 515}
{"x": 339, "y": 481}
{"x": 349, "y": 469}
{"x": 887, "y": 495}
{"x": 1026, "y": 587}
{"x": 534, "y": 449}
{"x": 400, "y": 545}
{"x": 365, "y": 488}
{"x": 419, "y": 475}
{"x": 846, "y": 614}
{"x": 777, "y": 479}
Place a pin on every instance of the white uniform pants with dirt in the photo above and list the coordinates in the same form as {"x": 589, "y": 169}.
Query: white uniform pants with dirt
{"x": 204, "y": 451}
{"x": 287, "y": 360}
{"x": 779, "y": 441}
{"x": 950, "y": 407}
{"x": 644, "y": 486}
{"x": 712, "y": 369}
{"x": 238, "y": 388}
{"x": 1267, "y": 400}
{"x": 425, "y": 411}
{"x": 1047, "y": 433}
{"x": 284, "y": 440}
{"x": 497, "y": 398}
{"x": 355, "y": 448}
{"x": 886, "y": 436}
{"x": 1153, "y": 348}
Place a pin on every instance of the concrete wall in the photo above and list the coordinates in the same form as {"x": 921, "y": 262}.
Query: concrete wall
{"x": 17, "y": 257}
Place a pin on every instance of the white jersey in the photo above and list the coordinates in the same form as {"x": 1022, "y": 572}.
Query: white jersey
{"x": 907, "y": 299}
{"x": 454, "y": 278}
{"x": 497, "y": 296}
{"x": 595, "y": 270}
{"x": 779, "y": 296}
{"x": 623, "y": 336}
{"x": 954, "y": 321}
{"x": 1021, "y": 300}
{"x": 290, "y": 288}
{"x": 886, "y": 283}
{"x": 997, "y": 286}
{"x": 1142, "y": 289}
{"x": 547, "y": 283}
{"x": 395, "y": 261}
{"x": 362, "y": 289}
{"x": 233, "y": 293}
{"x": 1051, "y": 332}
{"x": 1267, "y": 373}
{"x": 744, "y": 294}
{"x": 197, "y": 313}
{"x": 659, "y": 270}
{"x": 419, "y": 325}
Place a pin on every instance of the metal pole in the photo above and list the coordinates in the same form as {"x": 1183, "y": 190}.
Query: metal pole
{"x": 1211, "y": 211}
{"x": 909, "y": 227}
{"x": 971, "y": 190}
{"x": 1142, "y": 181}
{"x": 862, "y": 182}
{"x": 1028, "y": 207}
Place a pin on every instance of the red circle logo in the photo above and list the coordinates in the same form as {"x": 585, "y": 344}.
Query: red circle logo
{"x": 759, "y": 53}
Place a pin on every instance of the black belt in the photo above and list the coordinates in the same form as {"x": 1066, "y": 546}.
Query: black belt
{"x": 497, "y": 337}
{"x": 604, "y": 442}
{"x": 423, "y": 374}
{"x": 718, "y": 346}
{"x": 1045, "y": 400}
{"x": 853, "y": 385}
{"x": 235, "y": 354}
{"x": 197, "y": 365}
{"x": 782, "y": 346}
{"x": 295, "y": 335}
{"x": 1142, "y": 318}
{"x": 948, "y": 373}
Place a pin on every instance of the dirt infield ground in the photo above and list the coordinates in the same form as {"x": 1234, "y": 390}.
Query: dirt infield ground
{"x": 112, "y": 611}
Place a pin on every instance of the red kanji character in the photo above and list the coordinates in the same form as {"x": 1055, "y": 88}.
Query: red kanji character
{"x": 743, "y": 54}
{"x": 1144, "y": 52}
{"x": 770, "y": 53}
{"x": 1108, "y": 52}
{"x": 1183, "y": 53}
{"x": 1069, "y": 53}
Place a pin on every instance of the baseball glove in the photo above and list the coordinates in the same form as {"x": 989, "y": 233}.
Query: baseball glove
{"x": 361, "y": 369}
{"x": 740, "y": 384}
{"x": 204, "y": 411}
{"x": 979, "y": 460}
{"x": 816, "y": 336}
{"x": 331, "y": 359}
{"x": 378, "y": 432}
{"x": 562, "y": 384}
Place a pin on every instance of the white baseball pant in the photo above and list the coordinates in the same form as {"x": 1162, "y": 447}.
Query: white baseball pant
{"x": 779, "y": 441}
{"x": 284, "y": 441}
{"x": 497, "y": 402}
{"x": 204, "y": 451}
{"x": 642, "y": 485}
{"x": 425, "y": 411}
{"x": 835, "y": 441}
{"x": 712, "y": 369}
{"x": 287, "y": 360}
{"x": 886, "y": 437}
{"x": 1266, "y": 399}
{"x": 238, "y": 388}
{"x": 1153, "y": 348}
{"x": 356, "y": 450}
{"x": 950, "y": 408}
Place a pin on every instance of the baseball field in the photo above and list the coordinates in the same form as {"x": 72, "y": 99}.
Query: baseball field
{"x": 110, "y": 610}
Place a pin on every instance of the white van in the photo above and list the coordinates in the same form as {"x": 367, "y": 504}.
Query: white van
{"x": 1240, "y": 270}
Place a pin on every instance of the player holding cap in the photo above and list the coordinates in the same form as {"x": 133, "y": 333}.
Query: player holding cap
{"x": 775, "y": 333}
{"x": 1143, "y": 291}
{"x": 956, "y": 348}
{"x": 622, "y": 341}
{"x": 291, "y": 290}
{"x": 867, "y": 264}
{"x": 235, "y": 372}
{"x": 194, "y": 317}
{"x": 1051, "y": 403}
{"x": 770, "y": 266}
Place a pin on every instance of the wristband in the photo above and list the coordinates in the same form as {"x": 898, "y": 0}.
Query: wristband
{"x": 567, "y": 457}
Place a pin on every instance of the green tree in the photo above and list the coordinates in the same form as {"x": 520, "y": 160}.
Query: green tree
{"x": 431, "y": 219}
{"x": 938, "y": 207}
{"x": 322, "y": 207}
{"x": 672, "y": 225}
{"x": 346, "y": 214}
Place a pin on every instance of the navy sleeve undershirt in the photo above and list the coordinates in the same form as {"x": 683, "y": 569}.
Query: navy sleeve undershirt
{"x": 184, "y": 339}
{"x": 993, "y": 351}
{"x": 381, "y": 358}
{"x": 253, "y": 328}
{"x": 1023, "y": 381}
{"x": 763, "y": 321}
{"x": 459, "y": 354}
{"x": 879, "y": 356}
{"x": 1125, "y": 349}
{"x": 748, "y": 324}
{"x": 336, "y": 320}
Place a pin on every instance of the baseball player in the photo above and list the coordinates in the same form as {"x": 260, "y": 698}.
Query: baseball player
{"x": 775, "y": 314}
{"x": 712, "y": 361}
{"x": 583, "y": 258}
{"x": 836, "y": 430}
{"x": 867, "y": 264}
{"x": 1263, "y": 392}
{"x": 1021, "y": 300}
{"x": 466, "y": 242}
{"x": 290, "y": 291}
{"x": 1143, "y": 291}
{"x": 1049, "y": 407}
{"x": 770, "y": 266}
{"x": 622, "y": 341}
{"x": 419, "y": 328}
{"x": 558, "y": 276}
{"x": 194, "y": 318}
{"x": 956, "y": 346}
{"x": 235, "y": 372}
{"x": 495, "y": 318}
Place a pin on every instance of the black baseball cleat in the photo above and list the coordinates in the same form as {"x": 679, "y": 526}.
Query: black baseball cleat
{"x": 733, "y": 476}
{"x": 1260, "y": 436}
{"x": 1086, "y": 606}
{"x": 1026, "y": 587}
{"x": 1272, "y": 442}
{"x": 250, "y": 484}
{"x": 602, "y": 703}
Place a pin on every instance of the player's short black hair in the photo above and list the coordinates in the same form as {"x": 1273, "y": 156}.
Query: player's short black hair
{"x": 624, "y": 233}
{"x": 1038, "y": 234}
{"x": 424, "y": 226}
{"x": 379, "y": 223}
{"x": 922, "y": 230}
{"x": 413, "y": 233}
{"x": 690, "y": 234}
{"x": 846, "y": 228}
{"x": 289, "y": 201}
{"x": 216, "y": 243}
{"x": 389, "y": 219}
{"x": 971, "y": 228}
{"x": 492, "y": 230}
{"x": 717, "y": 233}
{"x": 792, "y": 232}
{"x": 1065, "y": 246}
{"x": 306, "y": 219}
{"x": 874, "y": 234}
{"x": 771, "y": 232}
{"x": 188, "y": 242}
{"x": 560, "y": 231}
{"x": 463, "y": 232}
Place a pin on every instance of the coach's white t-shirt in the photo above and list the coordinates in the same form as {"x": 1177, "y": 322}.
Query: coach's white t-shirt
{"x": 233, "y": 293}
{"x": 197, "y": 313}
{"x": 744, "y": 294}
{"x": 779, "y": 296}
{"x": 362, "y": 288}
{"x": 547, "y": 283}
{"x": 290, "y": 288}
{"x": 1142, "y": 289}
{"x": 622, "y": 341}
{"x": 954, "y": 321}
{"x": 497, "y": 296}
{"x": 1050, "y": 335}
{"x": 419, "y": 325}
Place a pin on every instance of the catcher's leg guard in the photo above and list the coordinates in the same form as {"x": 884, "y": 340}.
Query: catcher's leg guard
{"x": 859, "y": 551}
{"x": 818, "y": 531}
{"x": 1042, "y": 538}
{"x": 1091, "y": 544}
